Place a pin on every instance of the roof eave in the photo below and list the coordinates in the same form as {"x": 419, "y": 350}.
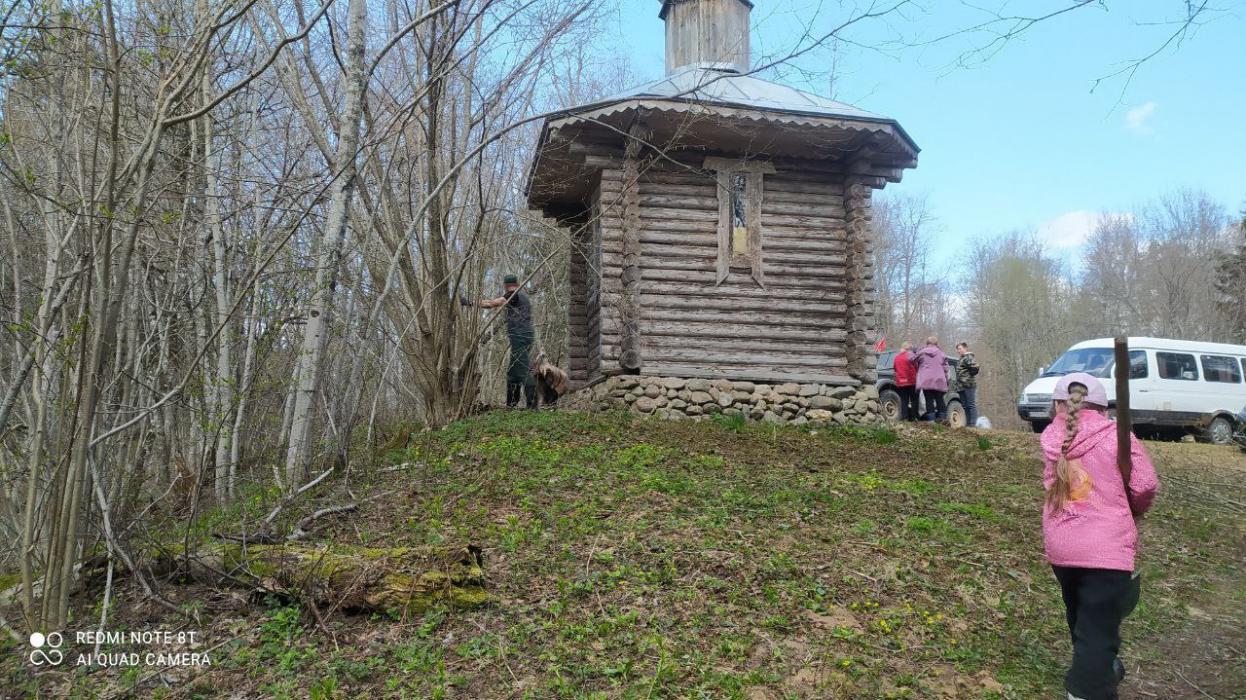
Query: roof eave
{"x": 872, "y": 119}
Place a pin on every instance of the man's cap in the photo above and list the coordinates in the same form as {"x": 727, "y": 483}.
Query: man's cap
{"x": 510, "y": 279}
{"x": 1095, "y": 393}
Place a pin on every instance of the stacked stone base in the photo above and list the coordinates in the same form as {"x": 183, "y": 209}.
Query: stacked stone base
{"x": 675, "y": 398}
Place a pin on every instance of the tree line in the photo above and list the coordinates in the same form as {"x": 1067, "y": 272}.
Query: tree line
{"x": 234, "y": 238}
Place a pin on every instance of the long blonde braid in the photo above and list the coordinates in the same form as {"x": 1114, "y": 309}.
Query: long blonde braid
{"x": 1058, "y": 494}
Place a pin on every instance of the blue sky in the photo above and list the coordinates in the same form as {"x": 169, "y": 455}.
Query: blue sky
{"x": 1019, "y": 141}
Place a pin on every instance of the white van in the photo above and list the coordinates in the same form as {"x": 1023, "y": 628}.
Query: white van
{"x": 1175, "y": 386}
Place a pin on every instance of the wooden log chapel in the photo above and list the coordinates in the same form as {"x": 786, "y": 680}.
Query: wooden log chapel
{"x": 720, "y": 222}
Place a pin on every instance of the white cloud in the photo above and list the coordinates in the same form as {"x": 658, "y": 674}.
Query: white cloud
{"x": 1069, "y": 230}
{"x": 1137, "y": 119}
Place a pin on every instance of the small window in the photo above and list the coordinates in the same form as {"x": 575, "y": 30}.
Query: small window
{"x": 1177, "y": 366}
{"x": 739, "y": 220}
{"x": 740, "y": 185}
{"x": 1137, "y": 364}
{"x": 1218, "y": 368}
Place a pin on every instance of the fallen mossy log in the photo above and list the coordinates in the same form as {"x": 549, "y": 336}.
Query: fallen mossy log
{"x": 343, "y": 577}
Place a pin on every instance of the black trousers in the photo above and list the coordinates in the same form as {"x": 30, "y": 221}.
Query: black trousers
{"x": 936, "y": 407}
{"x": 519, "y": 373}
{"x": 512, "y": 394}
{"x": 1095, "y": 602}
{"x": 909, "y": 409}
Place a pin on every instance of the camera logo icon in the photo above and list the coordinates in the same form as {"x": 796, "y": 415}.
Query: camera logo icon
{"x": 46, "y": 649}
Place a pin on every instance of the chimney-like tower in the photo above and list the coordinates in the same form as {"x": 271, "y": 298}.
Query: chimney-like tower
{"x": 706, "y": 34}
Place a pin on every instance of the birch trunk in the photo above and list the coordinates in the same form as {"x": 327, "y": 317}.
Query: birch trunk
{"x": 319, "y": 306}
{"x": 222, "y": 482}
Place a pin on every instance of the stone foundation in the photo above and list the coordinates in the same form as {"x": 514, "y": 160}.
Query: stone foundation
{"x": 697, "y": 399}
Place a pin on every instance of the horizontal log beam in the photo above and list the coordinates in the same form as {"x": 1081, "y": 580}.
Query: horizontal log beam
{"x": 709, "y": 356}
{"x": 734, "y": 289}
{"x": 693, "y": 329}
{"x": 786, "y": 197}
{"x": 747, "y": 374}
{"x": 738, "y": 303}
{"x": 777, "y": 254}
{"x": 785, "y": 320}
{"x": 657, "y": 344}
{"x": 789, "y": 281}
{"x": 829, "y": 267}
{"x": 707, "y": 202}
{"x": 832, "y": 241}
{"x": 671, "y": 214}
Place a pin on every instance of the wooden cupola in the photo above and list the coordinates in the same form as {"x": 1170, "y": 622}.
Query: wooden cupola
{"x": 721, "y": 222}
{"x": 706, "y": 34}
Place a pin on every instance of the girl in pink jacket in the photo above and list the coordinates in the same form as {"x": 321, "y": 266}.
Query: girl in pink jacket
{"x": 1089, "y": 531}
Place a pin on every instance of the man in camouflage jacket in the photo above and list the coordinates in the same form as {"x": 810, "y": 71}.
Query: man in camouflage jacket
{"x": 967, "y": 379}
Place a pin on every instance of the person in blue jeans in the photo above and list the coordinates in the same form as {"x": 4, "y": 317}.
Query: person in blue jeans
{"x": 967, "y": 379}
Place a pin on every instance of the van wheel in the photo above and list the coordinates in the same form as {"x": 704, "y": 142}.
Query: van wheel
{"x": 955, "y": 414}
{"x": 1038, "y": 426}
{"x": 889, "y": 402}
{"x": 1219, "y": 431}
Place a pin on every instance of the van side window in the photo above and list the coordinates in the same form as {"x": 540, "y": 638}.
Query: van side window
{"x": 1137, "y": 364}
{"x": 1218, "y": 368}
{"x": 1174, "y": 365}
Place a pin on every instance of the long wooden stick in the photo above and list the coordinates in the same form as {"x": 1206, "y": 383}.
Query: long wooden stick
{"x": 1124, "y": 422}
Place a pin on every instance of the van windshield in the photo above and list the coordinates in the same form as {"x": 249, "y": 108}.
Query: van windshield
{"x": 1096, "y": 362}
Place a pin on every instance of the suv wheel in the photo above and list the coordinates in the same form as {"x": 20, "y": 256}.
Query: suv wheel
{"x": 955, "y": 414}
{"x": 1220, "y": 431}
{"x": 889, "y": 403}
{"x": 1038, "y": 426}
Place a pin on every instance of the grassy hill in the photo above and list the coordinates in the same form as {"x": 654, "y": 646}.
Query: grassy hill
{"x": 646, "y": 559}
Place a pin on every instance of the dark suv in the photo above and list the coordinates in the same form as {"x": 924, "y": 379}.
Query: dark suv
{"x": 890, "y": 399}
{"x": 1240, "y": 436}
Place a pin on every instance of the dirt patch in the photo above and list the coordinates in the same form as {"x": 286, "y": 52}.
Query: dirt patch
{"x": 834, "y": 617}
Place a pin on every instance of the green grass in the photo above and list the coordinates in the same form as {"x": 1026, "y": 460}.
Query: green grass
{"x": 643, "y": 559}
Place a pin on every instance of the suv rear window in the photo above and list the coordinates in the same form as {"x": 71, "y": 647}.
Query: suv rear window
{"x": 1176, "y": 366}
{"x": 1219, "y": 368}
{"x": 886, "y": 361}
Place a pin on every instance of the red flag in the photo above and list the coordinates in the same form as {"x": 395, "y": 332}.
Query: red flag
{"x": 881, "y": 345}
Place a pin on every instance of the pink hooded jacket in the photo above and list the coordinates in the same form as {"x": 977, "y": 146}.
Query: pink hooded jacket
{"x": 931, "y": 368}
{"x": 1095, "y": 529}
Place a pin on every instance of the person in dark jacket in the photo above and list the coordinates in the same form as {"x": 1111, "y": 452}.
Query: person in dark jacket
{"x": 967, "y": 381}
{"x": 932, "y": 379}
{"x": 519, "y": 331}
{"x": 906, "y": 382}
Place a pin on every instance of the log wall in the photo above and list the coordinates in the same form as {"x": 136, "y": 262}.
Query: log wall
{"x": 818, "y": 288}
{"x": 584, "y": 322}
{"x": 860, "y": 280}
